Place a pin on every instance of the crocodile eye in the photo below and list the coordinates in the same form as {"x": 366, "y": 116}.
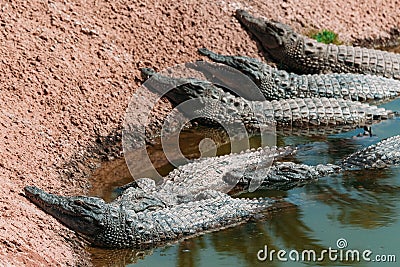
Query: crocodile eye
{"x": 88, "y": 219}
{"x": 79, "y": 202}
{"x": 281, "y": 32}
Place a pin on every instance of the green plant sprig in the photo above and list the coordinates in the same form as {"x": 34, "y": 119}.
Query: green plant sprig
{"x": 326, "y": 37}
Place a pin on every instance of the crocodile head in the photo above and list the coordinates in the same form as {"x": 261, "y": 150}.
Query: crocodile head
{"x": 253, "y": 68}
{"x": 271, "y": 34}
{"x": 81, "y": 214}
{"x": 178, "y": 90}
{"x": 102, "y": 224}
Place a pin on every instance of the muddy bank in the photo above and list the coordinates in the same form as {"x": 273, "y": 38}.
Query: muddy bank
{"x": 69, "y": 68}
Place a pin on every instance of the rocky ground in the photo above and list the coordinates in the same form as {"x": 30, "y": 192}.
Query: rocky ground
{"x": 68, "y": 69}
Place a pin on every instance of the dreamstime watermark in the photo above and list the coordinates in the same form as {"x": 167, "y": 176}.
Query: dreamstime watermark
{"x": 340, "y": 253}
{"x": 196, "y": 90}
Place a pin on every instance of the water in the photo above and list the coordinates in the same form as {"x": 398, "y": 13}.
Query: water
{"x": 362, "y": 207}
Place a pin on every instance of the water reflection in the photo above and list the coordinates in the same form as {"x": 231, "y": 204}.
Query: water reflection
{"x": 360, "y": 199}
{"x": 189, "y": 252}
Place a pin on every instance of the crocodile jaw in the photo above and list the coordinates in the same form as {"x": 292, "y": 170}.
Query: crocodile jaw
{"x": 271, "y": 34}
{"x": 81, "y": 214}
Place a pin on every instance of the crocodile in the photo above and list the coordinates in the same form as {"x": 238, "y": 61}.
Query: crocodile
{"x": 304, "y": 55}
{"x": 217, "y": 104}
{"x": 279, "y": 84}
{"x": 148, "y": 215}
{"x": 115, "y": 225}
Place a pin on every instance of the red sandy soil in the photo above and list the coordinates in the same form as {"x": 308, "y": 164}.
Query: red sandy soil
{"x": 68, "y": 69}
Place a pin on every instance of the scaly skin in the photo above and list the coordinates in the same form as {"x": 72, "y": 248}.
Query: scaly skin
{"x": 278, "y": 84}
{"x": 233, "y": 173}
{"x": 215, "y": 104}
{"x": 304, "y": 55}
{"x": 380, "y": 155}
{"x": 218, "y": 173}
{"x": 144, "y": 217}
